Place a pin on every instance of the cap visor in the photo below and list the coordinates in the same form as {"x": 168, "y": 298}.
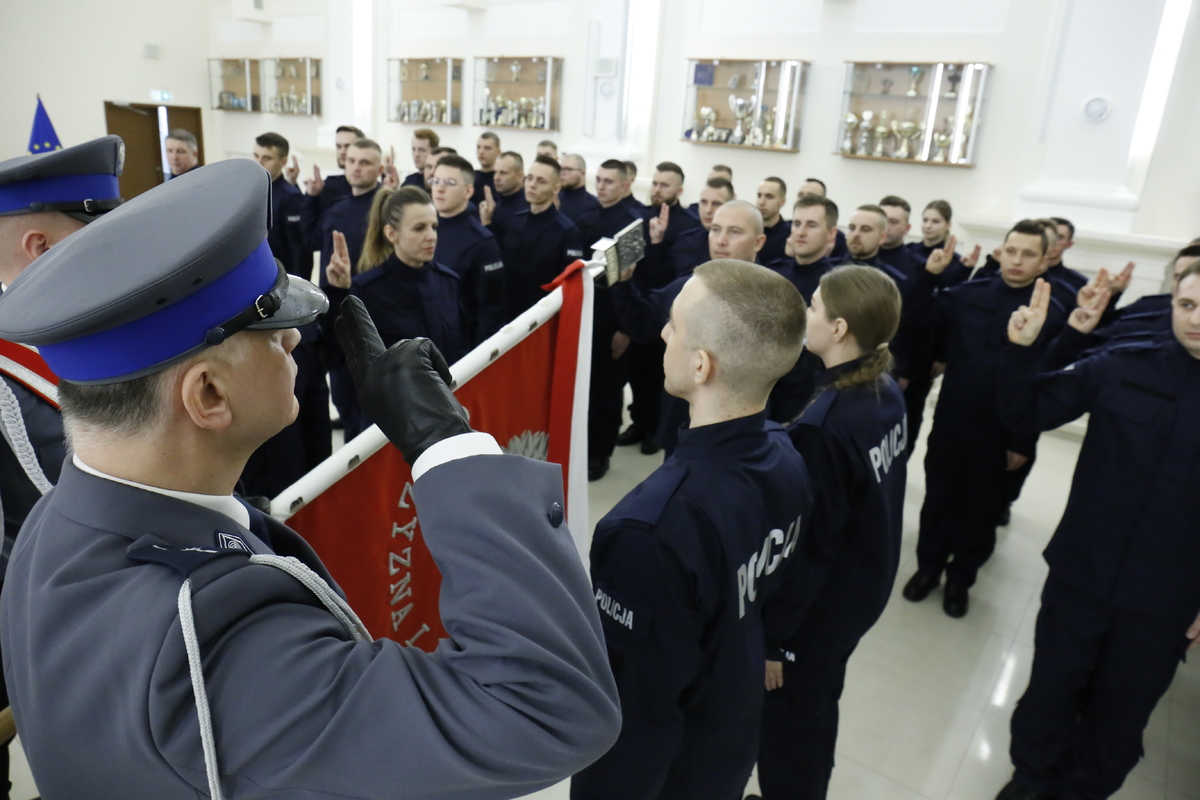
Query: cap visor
{"x": 302, "y": 305}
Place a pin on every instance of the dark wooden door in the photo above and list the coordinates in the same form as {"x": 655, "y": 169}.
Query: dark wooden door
{"x": 138, "y": 124}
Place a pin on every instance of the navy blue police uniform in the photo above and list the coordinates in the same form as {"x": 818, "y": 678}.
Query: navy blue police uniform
{"x": 536, "y": 248}
{"x": 1122, "y": 587}
{"x": 348, "y": 215}
{"x": 470, "y": 251}
{"x": 966, "y": 458}
{"x": 300, "y": 447}
{"x": 606, "y": 392}
{"x": 484, "y": 180}
{"x": 681, "y": 567}
{"x": 775, "y": 247}
{"x": 81, "y": 182}
{"x": 853, "y": 442}
{"x": 840, "y": 249}
{"x": 335, "y": 188}
{"x": 244, "y": 672}
{"x": 577, "y": 202}
{"x": 415, "y": 179}
{"x": 405, "y": 303}
{"x": 506, "y": 206}
{"x": 902, "y": 258}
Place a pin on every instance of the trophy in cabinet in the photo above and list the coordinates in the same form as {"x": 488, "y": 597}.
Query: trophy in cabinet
{"x": 865, "y": 126}
{"x": 515, "y": 69}
{"x": 953, "y": 77}
{"x": 424, "y": 69}
{"x": 740, "y": 107}
{"x": 882, "y": 131}
{"x": 903, "y": 131}
{"x": 960, "y": 152}
{"x": 445, "y": 112}
{"x": 709, "y": 117}
{"x": 916, "y": 73}
{"x": 849, "y": 126}
{"x": 887, "y": 86}
{"x": 403, "y": 72}
{"x": 402, "y": 112}
{"x": 941, "y": 140}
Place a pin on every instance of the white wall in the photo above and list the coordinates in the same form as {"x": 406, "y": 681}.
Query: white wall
{"x": 94, "y": 53}
{"x": 80, "y": 54}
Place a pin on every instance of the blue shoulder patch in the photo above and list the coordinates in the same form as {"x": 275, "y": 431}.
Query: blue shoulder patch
{"x": 818, "y": 409}
{"x": 646, "y": 503}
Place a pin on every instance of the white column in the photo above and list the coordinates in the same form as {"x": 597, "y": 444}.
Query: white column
{"x": 1105, "y": 102}
{"x": 349, "y": 71}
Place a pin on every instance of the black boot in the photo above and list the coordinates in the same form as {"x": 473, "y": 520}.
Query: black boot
{"x": 1014, "y": 792}
{"x": 919, "y": 586}
{"x": 634, "y": 434}
{"x": 597, "y": 468}
{"x": 955, "y": 600}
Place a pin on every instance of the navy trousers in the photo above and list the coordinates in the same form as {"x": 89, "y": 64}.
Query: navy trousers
{"x": 964, "y": 491}
{"x": 1098, "y": 672}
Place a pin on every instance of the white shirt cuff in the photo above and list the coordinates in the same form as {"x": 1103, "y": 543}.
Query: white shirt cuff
{"x": 463, "y": 445}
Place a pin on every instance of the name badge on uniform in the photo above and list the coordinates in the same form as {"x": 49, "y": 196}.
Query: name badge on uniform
{"x": 231, "y": 541}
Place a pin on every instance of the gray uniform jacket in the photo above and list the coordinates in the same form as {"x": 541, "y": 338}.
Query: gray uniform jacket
{"x": 518, "y": 698}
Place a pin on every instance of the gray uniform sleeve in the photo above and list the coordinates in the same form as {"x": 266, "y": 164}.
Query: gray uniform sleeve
{"x": 519, "y": 697}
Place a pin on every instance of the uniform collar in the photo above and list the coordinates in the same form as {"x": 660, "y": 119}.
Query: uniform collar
{"x": 1178, "y": 355}
{"x": 393, "y": 264}
{"x": 722, "y": 438}
{"x": 138, "y": 512}
{"x": 221, "y": 504}
{"x": 827, "y": 376}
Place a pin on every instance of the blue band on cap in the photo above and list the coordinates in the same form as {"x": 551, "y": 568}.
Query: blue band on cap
{"x": 168, "y": 332}
{"x": 58, "y": 189}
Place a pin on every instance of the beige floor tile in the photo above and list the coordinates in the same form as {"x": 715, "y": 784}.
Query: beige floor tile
{"x": 986, "y": 768}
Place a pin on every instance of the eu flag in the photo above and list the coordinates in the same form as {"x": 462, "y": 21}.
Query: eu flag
{"x": 43, "y": 139}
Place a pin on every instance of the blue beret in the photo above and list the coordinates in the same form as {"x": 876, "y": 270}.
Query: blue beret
{"x": 177, "y": 269}
{"x": 79, "y": 181}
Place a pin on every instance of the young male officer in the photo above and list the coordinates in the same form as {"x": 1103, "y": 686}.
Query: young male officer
{"x": 301, "y": 446}
{"x": 348, "y": 214}
{"x": 690, "y": 248}
{"x": 772, "y": 194}
{"x": 867, "y": 228}
{"x": 892, "y": 249}
{"x": 424, "y": 141}
{"x": 538, "y": 242}
{"x": 814, "y": 225}
{"x": 44, "y": 199}
{"x": 970, "y": 448}
{"x": 467, "y": 248}
{"x": 615, "y": 212}
{"x": 333, "y": 187}
{"x": 1119, "y": 608}
{"x": 183, "y": 152}
{"x": 244, "y": 673}
{"x": 487, "y": 150}
{"x": 682, "y": 565}
{"x": 498, "y": 205}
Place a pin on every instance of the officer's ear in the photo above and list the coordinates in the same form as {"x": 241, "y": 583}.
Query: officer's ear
{"x": 34, "y": 243}
{"x": 205, "y": 395}
{"x": 704, "y": 367}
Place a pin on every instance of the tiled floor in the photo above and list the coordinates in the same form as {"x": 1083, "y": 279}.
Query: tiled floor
{"x": 927, "y": 701}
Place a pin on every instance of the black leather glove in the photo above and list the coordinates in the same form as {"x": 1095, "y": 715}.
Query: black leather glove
{"x": 404, "y": 389}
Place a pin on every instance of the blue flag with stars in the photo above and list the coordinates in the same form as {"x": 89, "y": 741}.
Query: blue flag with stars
{"x": 43, "y": 139}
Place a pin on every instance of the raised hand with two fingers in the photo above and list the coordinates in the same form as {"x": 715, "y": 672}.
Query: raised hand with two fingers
{"x": 339, "y": 270}
{"x": 1025, "y": 324}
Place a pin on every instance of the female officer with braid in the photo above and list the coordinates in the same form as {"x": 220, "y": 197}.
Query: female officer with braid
{"x": 853, "y": 437}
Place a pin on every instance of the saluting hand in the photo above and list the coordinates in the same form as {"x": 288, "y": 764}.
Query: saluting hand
{"x": 1026, "y": 322}
{"x": 488, "y": 207}
{"x": 658, "y": 225}
{"x": 1121, "y": 282}
{"x": 338, "y": 270}
{"x": 774, "y": 675}
{"x": 391, "y": 178}
{"x": 317, "y": 184}
{"x": 1085, "y": 318}
{"x": 940, "y": 259}
{"x": 292, "y": 171}
{"x": 970, "y": 261}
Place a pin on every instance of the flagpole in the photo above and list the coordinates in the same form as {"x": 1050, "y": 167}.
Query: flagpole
{"x": 370, "y": 441}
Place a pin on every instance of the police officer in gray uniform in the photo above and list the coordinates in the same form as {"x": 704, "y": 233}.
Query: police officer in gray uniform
{"x": 162, "y": 639}
{"x": 44, "y": 198}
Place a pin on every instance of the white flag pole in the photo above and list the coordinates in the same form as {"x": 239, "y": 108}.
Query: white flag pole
{"x": 370, "y": 441}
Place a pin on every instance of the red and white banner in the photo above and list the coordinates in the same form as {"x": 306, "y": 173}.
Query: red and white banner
{"x": 527, "y": 386}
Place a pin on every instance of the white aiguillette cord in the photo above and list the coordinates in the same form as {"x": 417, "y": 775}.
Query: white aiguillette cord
{"x": 12, "y": 428}
{"x": 298, "y": 570}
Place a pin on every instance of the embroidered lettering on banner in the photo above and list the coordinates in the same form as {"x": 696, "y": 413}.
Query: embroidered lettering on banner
{"x": 405, "y": 496}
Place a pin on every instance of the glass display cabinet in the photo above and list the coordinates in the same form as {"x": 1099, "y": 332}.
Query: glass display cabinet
{"x": 425, "y": 91}
{"x": 234, "y": 84}
{"x": 913, "y": 112}
{"x": 745, "y": 103}
{"x": 292, "y": 86}
{"x": 518, "y": 92}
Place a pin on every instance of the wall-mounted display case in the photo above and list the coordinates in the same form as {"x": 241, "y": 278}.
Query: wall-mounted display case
{"x": 425, "y": 91}
{"x": 912, "y": 112}
{"x": 234, "y": 84}
{"x": 292, "y": 85}
{"x": 518, "y": 92}
{"x": 745, "y": 103}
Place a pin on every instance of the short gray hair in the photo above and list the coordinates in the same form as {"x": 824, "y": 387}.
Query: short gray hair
{"x": 185, "y": 136}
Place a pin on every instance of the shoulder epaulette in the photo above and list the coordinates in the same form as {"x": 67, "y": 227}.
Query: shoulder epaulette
{"x": 646, "y": 503}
